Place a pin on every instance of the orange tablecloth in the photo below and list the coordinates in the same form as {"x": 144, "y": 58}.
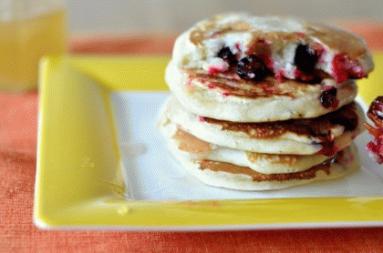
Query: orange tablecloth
{"x": 18, "y": 114}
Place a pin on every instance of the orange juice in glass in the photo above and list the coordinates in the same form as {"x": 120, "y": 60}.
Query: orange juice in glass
{"x": 29, "y": 29}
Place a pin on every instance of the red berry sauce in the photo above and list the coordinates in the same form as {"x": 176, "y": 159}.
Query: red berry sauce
{"x": 211, "y": 85}
{"x": 280, "y": 75}
{"x": 328, "y": 149}
{"x": 375, "y": 113}
{"x": 375, "y": 148}
{"x": 344, "y": 68}
{"x": 201, "y": 119}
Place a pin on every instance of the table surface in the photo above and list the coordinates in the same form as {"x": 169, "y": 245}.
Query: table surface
{"x": 18, "y": 126}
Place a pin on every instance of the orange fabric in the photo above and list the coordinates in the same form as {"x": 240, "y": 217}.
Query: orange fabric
{"x": 18, "y": 124}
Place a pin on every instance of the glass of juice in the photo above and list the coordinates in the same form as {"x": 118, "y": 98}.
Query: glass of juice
{"x": 29, "y": 29}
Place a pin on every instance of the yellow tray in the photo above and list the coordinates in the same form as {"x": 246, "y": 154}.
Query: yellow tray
{"x": 78, "y": 179}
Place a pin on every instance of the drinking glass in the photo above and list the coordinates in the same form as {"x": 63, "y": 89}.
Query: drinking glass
{"x": 29, "y": 29}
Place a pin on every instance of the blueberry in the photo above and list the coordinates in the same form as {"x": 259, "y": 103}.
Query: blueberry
{"x": 251, "y": 68}
{"x": 226, "y": 54}
{"x": 328, "y": 98}
{"x": 305, "y": 58}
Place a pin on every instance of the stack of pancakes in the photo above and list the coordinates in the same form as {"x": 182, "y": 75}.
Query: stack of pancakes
{"x": 264, "y": 103}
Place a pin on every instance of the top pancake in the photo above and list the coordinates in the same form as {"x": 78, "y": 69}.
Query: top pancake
{"x": 341, "y": 55}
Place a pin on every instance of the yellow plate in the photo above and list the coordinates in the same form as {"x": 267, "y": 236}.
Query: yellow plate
{"x": 79, "y": 183}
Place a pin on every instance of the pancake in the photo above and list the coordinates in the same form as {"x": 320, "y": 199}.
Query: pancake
{"x": 278, "y": 42}
{"x": 196, "y": 149}
{"x": 326, "y": 135}
{"x": 226, "y": 175}
{"x": 241, "y": 101}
